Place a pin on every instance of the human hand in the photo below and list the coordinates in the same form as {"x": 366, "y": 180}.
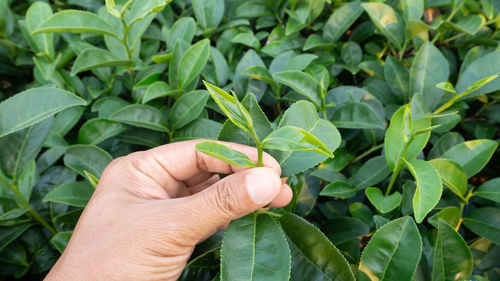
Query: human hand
{"x": 151, "y": 208}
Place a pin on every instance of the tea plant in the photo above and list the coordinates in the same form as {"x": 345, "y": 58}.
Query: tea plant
{"x": 383, "y": 115}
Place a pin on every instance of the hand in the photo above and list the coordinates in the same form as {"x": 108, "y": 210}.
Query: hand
{"x": 151, "y": 208}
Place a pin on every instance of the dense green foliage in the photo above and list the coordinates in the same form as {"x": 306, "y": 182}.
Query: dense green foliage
{"x": 404, "y": 93}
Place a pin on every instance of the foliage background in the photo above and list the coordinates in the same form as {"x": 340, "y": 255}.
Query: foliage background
{"x": 358, "y": 64}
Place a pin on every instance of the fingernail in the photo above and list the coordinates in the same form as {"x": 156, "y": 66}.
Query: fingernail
{"x": 263, "y": 185}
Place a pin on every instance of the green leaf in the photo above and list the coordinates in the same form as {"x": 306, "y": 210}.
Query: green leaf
{"x": 61, "y": 240}
{"x": 452, "y": 175}
{"x": 389, "y": 22}
{"x": 209, "y": 13}
{"x": 224, "y": 153}
{"x": 303, "y": 83}
{"x": 341, "y": 20}
{"x": 471, "y": 24}
{"x": 198, "y": 129}
{"x": 429, "y": 188}
{"x": 395, "y": 137}
{"x": 342, "y": 229}
{"x": 303, "y": 114}
{"x": 261, "y": 73}
{"x": 192, "y": 63}
{"x": 183, "y": 29}
{"x": 139, "y": 10}
{"x": 314, "y": 257}
{"x": 254, "y": 248}
{"x": 11, "y": 233}
{"x": 142, "y": 116}
{"x": 452, "y": 257}
{"x": 230, "y": 106}
{"x": 300, "y": 62}
{"x": 89, "y": 158}
{"x": 12, "y": 214}
{"x": 65, "y": 120}
{"x": 17, "y": 150}
{"x": 75, "y": 22}
{"x": 338, "y": 189}
{"x": 490, "y": 190}
{"x": 412, "y": 9}
{"x": 383, "y": 204}
{"x": 429, "y": 68}
{"x": 98, "y": 130}
{"x": 398, "y": 77}
{"x": 485, "y": 222}
{"x": 472, "y": 155}
{"x": 291, "y": 138}
{"x": 351, "y": 53}
{"x": 188, "y": 108}
{"x": 158, "y": 90}
{"x": 371, "y": 173}
{"x": 396, "y": 241}
{"x": 451, "y": 215}
{"x": 74, "y": 194}
{"x": 36, "y": 14}
{"x": 93, "y": 58}
{"x": 485, "y": 66}
{"x": 33, "y": 106}
{"x": 357, "y": 115}
{"x": 247, "y": 39}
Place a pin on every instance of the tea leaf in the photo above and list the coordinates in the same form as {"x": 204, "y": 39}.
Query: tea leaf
{"x": 74, "y": 194}
{"x": 225, "y": 154}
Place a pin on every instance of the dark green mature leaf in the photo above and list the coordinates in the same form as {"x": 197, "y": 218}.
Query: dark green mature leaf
{"x": 371, "y": 173}
{"x": 254, "y": 248}
{"x": 412, "y": 9}
{"x": 451, "y": 215}
{"x": 472, "y": 155}
{"x": 338, "y": 189}
{"x": 303, "y": 114}
{"x": 74, "y": 194}
{"x": 198, "y": 129}
{"x": 429, "y": 188}
{"x": 398, "y": 77}
{"x": 93, "y": 58}
{"x": 88, "y": 158}
{"x": 208, "y": 13}
{"x": 383, "y": 204}
{"x": 76, "y": 22}
{"x": 452, "y": 256}
{"x": 98, "y": 130}
{"x": 61, "y": 240}
{"x": 33, "y": 106}
{"x": 291, "y": 138}
{"x": 484, "y": 66}
{"x": 429, "y": 68}
{"x": 303, "y": 83}
{"x": 357, "y": 115}
{"x": 343, "y": 229}
{"x": 158, "y": 90}
{"x": 188, "y": 108}
{"x": 142, "y": 116}
{"x": 485, "y": 222}
{"x": 192, "y": 63}
{"x": 452, "y": 175}
{"x": 17, "y": 150}
{"x": 9, "y": 234}
{"x": 389, "y": 22}
{"x": 225, "y": 154}
{"x": 341, "y": 20}
{"x": 395, "y": 242}
{"x": 12, "y": 214}
{"x": 490, "y": 190}
{"x": 314, "y": 257}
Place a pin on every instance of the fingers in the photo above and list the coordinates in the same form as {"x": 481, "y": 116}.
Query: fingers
{"x": 232, "y": 197}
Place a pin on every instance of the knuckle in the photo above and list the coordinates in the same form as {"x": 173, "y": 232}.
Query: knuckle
{"x": 226, "y": 200}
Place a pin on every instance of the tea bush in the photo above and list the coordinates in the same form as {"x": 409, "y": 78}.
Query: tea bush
{"x": 404, "y": 93}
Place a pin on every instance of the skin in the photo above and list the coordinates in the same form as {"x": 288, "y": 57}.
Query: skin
{"x": 151, "y": 208}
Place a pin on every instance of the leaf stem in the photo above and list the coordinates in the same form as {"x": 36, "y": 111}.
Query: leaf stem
{"x": 130, "y": 53}
{"x": 26, "y": 204}
{"x": 368, "y": 152}
{"x": 272, "y": 214}
{"x": 399, "y": 166}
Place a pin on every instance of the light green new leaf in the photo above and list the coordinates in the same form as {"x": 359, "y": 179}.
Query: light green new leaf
{"x": 338, "y": 189}
{"x": 36, "y": 14}
{"x": 412, "y": 9}
{"x": 429, "y": 188}
{"x": 230, "y": 106}
{"x": 451, "y": 215}
{"x": 485, "y": 222}
{"x": 314, "y": 257}
{"x": 472, "y": 155}
{"x": 75, "y": 21}
{"x": 255, "y": 249}
{"x": 429, "y": 68}
{"x": 388, "y": 21}
{"x": 138, "y": 10}
{"x": 303, "y": 83}
{"x": 452, "y": 257}
{"x": 291, "y": 138}
{"x": 384, "y": 204}
{"x": 393, "y": 252}
{"x": 485, "y": 66}
{"x": 341, "y": 20}
{"x": 33, "y": 106}
{"x": 261, "y": 73}
{"x": 98, "y": 130}
{"x": 142, "y": 116}
{"x": 395, "y": 137}
{"x": 357, "y": 115}
{"x": 81, "y": 158}
{"x": 188, "y": 108}
{"x": 490, "y": 190}
{"x": 452, "y": 175}
{"x": 192, "y": 63}
{"x": 113, "y": 9}
{"x": 94, "y": 57}
{"x": 74, "y": 194}
{"x": 225, "y": 154}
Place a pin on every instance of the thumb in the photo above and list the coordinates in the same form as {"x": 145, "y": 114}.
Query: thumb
{"x": 232, "y": 197}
